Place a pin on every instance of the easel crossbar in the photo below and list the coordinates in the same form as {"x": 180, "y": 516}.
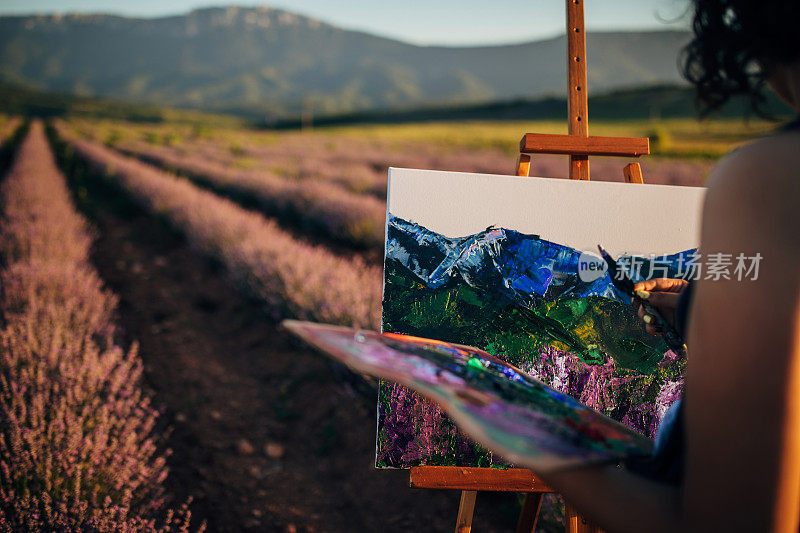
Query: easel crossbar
{"x": 547, "y": 143}
{"x": 468, "y": 478}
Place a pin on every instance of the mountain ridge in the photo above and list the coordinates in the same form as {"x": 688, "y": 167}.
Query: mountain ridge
{"x": 525, "y": 268}
{"x": 271, "y": 60}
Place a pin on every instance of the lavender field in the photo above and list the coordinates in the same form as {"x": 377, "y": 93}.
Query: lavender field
{"x": 357, "y": 158}
{"x": 145, "y": 268}
{"x": 291, "y": 276}
{"x": 79, "y": 449}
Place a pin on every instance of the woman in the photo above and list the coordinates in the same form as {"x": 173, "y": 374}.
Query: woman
{"x": 739, "y": 457}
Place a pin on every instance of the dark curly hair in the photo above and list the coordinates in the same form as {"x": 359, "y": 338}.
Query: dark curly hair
{"x": 736, "y": 43}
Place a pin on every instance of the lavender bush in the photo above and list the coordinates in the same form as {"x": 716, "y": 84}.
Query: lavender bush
{"x": 292, "y": 277}
{"x": 77, "y": 447}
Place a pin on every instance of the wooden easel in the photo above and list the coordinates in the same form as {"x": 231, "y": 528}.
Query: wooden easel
{"x": 578, "y": 145}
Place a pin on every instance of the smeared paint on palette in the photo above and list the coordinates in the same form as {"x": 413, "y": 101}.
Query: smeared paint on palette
{"x": 497, "y": 404}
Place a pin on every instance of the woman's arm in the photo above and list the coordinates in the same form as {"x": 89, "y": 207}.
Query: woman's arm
{"x": 743, "y": 378}
{"x": 619, "y": 500}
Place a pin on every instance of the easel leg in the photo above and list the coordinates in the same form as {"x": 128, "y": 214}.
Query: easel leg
{"x": 524, "y": 165}
{"x": 466, "y": 508}
{"x": 633, "y": 173}
{"x": 576, "y": 523}
{"x": 530, "y": 512}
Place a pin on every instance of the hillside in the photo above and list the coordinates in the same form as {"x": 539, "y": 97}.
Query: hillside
{"x": 267, "y": 60}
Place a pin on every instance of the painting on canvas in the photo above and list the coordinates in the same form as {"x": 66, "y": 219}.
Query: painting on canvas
{"x": 509, "y": 265}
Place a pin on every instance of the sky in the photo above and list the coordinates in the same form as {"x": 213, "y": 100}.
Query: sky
{"x": 425, "y": 22}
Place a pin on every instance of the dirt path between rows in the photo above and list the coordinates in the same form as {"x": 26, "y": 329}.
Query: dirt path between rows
{"x": 266, "y": 436}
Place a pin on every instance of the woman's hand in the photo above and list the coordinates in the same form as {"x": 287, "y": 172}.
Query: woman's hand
{"x": 663, "y": 294}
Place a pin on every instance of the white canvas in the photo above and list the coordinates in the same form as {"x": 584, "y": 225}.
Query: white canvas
{"x": 622, "y": 217}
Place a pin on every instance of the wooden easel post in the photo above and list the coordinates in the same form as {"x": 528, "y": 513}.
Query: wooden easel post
{"x": 578, "y": 145}
{"x": 577, "y": 99}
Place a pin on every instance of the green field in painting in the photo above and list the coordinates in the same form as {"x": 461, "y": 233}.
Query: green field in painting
{"x": 593, "y": 328}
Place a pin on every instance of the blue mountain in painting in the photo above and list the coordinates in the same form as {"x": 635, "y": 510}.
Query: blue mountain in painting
{"x": 523, "y": 268}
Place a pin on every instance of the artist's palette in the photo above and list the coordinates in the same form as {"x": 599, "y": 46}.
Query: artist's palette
{"x": 520, "y": 418}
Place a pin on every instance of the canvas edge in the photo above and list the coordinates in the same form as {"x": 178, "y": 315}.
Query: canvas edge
{"x": 591, "y": 183}
{"x": 380, "y": 326}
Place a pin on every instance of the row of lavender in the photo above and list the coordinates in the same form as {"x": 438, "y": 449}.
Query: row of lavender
{"x": 78, "y": 449}
{"x": 357, "y": 163}
{"x": 292, "y": 277}
{"x": 293, "y": 158}
{"x": 302, "y": 181}
{"x": 319, "y": 207}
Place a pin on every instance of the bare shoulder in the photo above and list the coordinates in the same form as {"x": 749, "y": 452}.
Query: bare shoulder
{"x": 768, "y": 162}
{"x": 757, "y": 188}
